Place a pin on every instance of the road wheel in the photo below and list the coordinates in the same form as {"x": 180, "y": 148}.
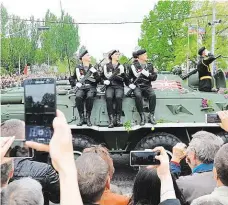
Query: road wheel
{"x": 81, "y": 142}
{"x": 152, "y": 140}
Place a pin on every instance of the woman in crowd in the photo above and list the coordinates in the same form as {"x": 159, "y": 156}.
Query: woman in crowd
{"x": 147, "y": 188}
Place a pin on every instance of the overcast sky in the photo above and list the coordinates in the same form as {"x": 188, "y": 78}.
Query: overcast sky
{"x": 97, "y": 38}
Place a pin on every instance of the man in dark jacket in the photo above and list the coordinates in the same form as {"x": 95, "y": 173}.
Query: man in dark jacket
{"x": 145, "y": 74}
{"x": 24, "y": 167}
{"x": 86, "y": 90}
{"x": 200, "y": 156}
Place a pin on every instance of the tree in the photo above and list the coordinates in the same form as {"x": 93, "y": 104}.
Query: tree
{"x": 162, "y": 29}
{"x": 164, "y": 32}
{"x": 123, "y": 59}
{"x": 22, "y": 45}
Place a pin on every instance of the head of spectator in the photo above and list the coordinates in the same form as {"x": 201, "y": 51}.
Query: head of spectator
{"x": 6, "y": 173}
{"x": 221, "y": 166}
{"x": 147, "y": 188}
{"x": 93, "y": 177}
{"x": 104, "y": 154}
{"x": 15, "y": 127}
{"x": 25, "y": 191}
{"x": 202, "y": 150}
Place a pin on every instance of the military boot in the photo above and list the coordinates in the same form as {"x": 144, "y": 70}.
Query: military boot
{"x": 81, "y": 122}
{"x": 88, "y": 114}
{"x": 143, "y": 119}
{"x": 152, "y": 119}
{"x": 111, "y": 121}
{"x": 118, "y": 122}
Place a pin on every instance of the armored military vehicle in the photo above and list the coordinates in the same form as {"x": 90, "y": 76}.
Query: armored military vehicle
{"x": 180, "y": 112}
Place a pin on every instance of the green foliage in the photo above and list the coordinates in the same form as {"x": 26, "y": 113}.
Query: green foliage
{"x": 93, "y": 61}
{"x": 127, "y": 126}
{"x": 164, "y": 32}
{"x": 123, "y": 59}
{"x": 32, "y": 46}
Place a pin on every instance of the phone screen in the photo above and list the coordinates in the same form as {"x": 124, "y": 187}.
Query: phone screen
{"x": 18, "y": 149}
{"x": 40, "y": 108}
{"x": 143, "y": 158}
{"x": 212, "y": 118}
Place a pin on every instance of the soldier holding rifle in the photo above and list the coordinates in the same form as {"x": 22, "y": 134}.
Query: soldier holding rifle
{"x": 203, "y": 69}
{"x": 141, "y": 75}
{"x": 114, "y": 77}
{"x": 86, "y": 86}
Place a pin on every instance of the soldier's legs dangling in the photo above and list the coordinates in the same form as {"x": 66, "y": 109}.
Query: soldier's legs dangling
{"x": 109, "y": 94}
{"x": 119, "y": 93}
{"x": 90, "y": 95}
{"x": 150, "y": 94}
{"x": 80, "y": 95}
{"x": 139, "y": 104}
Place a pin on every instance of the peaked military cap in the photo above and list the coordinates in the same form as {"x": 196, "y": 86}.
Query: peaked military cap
{"x": 111, "y": 53}
{"x": 82, "y": 54}
{"x": 200, "y": 52}
{"x": 140, "y": 52}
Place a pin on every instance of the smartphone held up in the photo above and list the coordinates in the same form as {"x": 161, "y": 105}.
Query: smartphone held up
{"x": 40, "y": 108}
{"x": 19, "y": 149}
{"x": 143, "y": 158}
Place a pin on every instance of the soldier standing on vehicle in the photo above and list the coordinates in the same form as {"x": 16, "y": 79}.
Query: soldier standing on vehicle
{"x": 142, "y": 88}
{"x": 204, "y": 70}
{"x": 115, "y": 87}
{"x": 87, "y": 90}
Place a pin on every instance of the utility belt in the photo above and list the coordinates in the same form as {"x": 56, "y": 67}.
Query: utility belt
{"x": 205, "y": 77}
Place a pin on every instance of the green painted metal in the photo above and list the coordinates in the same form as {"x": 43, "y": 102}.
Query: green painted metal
{"x": 178, "y": 105}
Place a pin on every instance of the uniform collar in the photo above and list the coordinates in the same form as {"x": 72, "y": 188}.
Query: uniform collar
{"x": 203, "y": 168}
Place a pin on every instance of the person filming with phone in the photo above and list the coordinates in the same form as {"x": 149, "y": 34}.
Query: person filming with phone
{"x": 24, "y": 167}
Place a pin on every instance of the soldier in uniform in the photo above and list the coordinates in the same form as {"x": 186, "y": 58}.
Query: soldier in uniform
{"x": 86, "y": 91}
{"x": 143, "y": 88}
{"x": 204, "y": 70}
{"x": 115, "y": 87}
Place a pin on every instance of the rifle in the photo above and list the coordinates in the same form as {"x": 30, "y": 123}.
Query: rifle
{"x": 127, "y": 61}
{"x": 193, "y": 71}
{"x": 82, "y": 81}
{"x": 116, "y": 72}
{"x": 98, "y": 65}
{"x": 128, "y": 94}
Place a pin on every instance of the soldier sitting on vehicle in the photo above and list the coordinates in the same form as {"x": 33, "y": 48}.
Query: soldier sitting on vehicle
{"x": 144, "y": 74}
{"x": 115, "y": 87}
{"x": 87, "y": 90}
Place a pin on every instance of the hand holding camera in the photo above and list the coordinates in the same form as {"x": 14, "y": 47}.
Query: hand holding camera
{"x": 179, "y": 152}
{"x": 6, "y": 142}
{"x": 162, "y": 169}
{"x": 223, "y": 115}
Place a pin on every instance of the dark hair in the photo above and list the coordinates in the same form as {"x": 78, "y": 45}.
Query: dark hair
{"x": 147, "y": 188}
{"x": 221, "y": 164}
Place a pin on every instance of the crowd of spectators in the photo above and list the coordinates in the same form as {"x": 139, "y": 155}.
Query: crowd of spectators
{"x": 16, "y": 80}
{"x": 88, "y": 179}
